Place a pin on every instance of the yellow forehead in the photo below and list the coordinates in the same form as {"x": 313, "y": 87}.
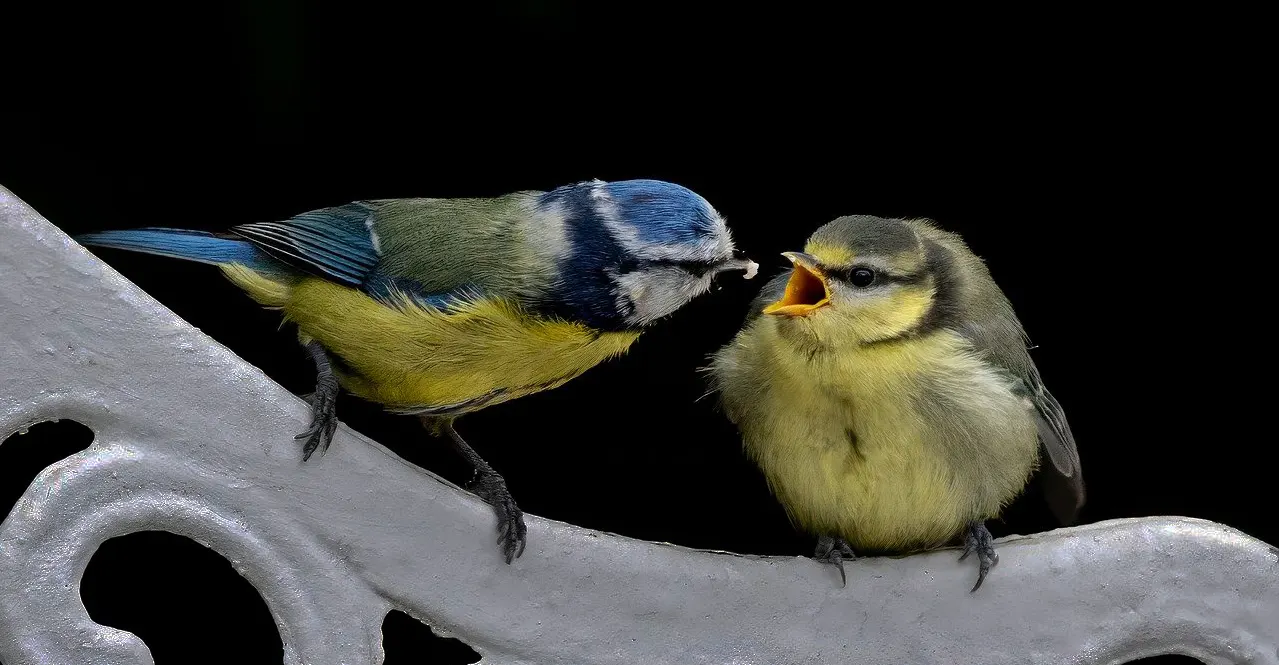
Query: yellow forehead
{"x": 830, "y": 255}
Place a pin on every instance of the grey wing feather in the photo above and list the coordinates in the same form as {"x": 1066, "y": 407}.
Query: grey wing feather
{"x": 1063, "y": 489}
{"x": 1003, "y": 339}
{"x": 987, "y": 320}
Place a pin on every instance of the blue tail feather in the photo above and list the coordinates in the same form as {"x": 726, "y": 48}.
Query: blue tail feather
{"x": 182, "y": 244}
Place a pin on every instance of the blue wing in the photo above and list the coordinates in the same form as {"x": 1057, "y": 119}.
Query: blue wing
{"x": 338, "y": 244}
{"x": 334, "y": 243}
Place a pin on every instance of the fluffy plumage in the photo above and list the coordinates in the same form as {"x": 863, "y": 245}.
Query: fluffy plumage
{"x": 888, "y": 395}
{"x": 441, "y": 307}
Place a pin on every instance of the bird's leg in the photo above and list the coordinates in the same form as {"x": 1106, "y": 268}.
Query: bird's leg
{"x": 490, "y": 486}
{"x": 324, "y": 419}
{"x": 977, "y": 539}
{"x": 834, "y": 551}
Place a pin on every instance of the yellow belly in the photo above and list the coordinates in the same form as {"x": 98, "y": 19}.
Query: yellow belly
{"x": 848, "y": 446}
{"x": 415, "y": 356}
{"x": 882, "y": 496}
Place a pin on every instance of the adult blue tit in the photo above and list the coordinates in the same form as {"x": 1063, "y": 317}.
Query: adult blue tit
{"x": 884, "y": 387}
{"x": 441, "y": 307}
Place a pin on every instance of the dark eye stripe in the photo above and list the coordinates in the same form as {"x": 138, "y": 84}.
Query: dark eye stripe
{"x": 881, "y": 276}
{"x": 697, "y": 268}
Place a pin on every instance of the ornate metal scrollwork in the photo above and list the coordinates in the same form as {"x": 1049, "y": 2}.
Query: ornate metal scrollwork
{"x": 332, "y": 546}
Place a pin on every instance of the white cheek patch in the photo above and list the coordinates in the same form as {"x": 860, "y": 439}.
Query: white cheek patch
{"x": 658, "y": 292}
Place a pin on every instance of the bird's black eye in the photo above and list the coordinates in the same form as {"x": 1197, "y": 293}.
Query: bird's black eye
{"x": 861, "y": 277}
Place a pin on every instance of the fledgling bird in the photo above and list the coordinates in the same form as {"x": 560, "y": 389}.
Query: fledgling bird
{"x": 441, "y": 307}
{"x": 884, "y": 387}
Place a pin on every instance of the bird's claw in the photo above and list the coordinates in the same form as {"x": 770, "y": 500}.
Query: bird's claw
{"x": 324, "y": 422}
{"x": 978, "y": 539}
{"x": 834, "y": 551}
{"x": 511, "y": 531}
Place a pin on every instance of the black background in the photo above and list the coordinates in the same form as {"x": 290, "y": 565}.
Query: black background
{"x": 1096, "y": 163}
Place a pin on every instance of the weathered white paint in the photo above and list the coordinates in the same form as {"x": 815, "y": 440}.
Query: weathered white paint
{"x": 334, "y": 544}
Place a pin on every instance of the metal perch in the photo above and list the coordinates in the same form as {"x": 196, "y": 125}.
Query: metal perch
{"x": 334, "y": 544}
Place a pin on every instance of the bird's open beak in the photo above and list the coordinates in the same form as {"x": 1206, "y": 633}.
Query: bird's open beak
{"x": 806, "y": 292}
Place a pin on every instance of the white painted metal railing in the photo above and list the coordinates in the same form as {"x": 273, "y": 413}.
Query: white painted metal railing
{"x": 335, "y": 544}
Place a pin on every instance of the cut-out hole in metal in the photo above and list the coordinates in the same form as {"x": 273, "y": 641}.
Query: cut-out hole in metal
{"x": 407, "y": 640}
{"x": 184, "y": 600}
{"x": 26, "y": 453}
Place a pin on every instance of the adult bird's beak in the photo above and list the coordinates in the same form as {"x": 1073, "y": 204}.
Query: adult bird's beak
{"x": 739, "y": 262}
{"x": 806, "y": 292}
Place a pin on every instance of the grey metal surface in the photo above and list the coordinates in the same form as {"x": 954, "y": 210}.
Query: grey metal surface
{"x": 334, "y": 544}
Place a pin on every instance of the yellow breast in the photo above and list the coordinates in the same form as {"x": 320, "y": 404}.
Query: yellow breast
{"x": 411, "y": 355}
{"x": 848, "y": 447}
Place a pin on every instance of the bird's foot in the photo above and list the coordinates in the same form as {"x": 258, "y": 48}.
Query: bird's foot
{"x": 834, "y": 551}
{"x": 977, "y": 539}
{"x": 324, "y": 420}
{"x": 510, "y": 519}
